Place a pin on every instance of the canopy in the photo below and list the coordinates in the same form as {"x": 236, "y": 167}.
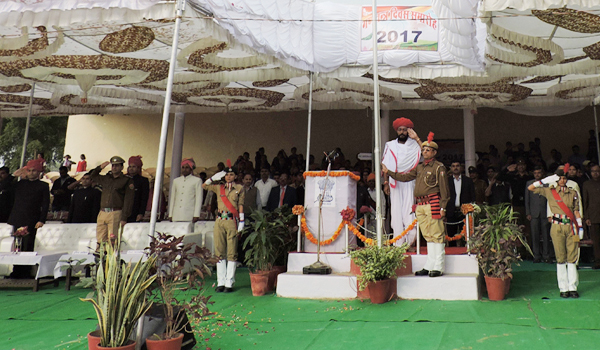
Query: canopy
{"x": 110, "y": 56}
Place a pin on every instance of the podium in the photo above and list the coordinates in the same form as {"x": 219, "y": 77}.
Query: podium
{"x": 340, "y": 193}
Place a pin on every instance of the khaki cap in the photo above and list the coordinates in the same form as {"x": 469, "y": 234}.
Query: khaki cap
{"x": 117, "y": 160}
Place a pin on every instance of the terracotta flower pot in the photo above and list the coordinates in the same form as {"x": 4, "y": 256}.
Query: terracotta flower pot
{"x": 93, "y": 340}
{"x": 130, "y": 346}
{"x": 165, "y": 344}
{"x": 259, "y": 282}
{"x": 496, "y": 287}
{"x": 381, "y": 291}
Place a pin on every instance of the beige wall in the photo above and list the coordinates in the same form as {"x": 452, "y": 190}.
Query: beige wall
{"x": 211, "y": 138}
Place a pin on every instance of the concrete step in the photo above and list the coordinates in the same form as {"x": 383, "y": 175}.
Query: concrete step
{"x": 455, "y": 264}
{"x": 463, "y": 286}
{"x": 334, "y": 286}
{"x": 339, "y": 262}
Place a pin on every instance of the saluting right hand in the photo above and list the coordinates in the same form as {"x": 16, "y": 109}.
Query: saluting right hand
{"x": 218, "y": 176}
{"x": 550, "y": 179}
{"x": 103, "y": 165}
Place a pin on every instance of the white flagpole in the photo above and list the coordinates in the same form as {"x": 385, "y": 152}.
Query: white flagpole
{"x": 377, "y": 131}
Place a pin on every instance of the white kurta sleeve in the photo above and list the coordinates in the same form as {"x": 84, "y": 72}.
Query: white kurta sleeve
{"x": 198, "y": 201}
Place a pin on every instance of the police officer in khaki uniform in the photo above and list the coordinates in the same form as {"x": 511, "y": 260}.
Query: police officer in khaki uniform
{"x": 566, "y": 229}
{"x": 116, "y": 200}
{"x": 230, "y": 204}
{"x": 431, "y": 195}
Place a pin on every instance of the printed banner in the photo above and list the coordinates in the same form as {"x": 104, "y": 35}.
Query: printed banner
{"x": 400, "y": 28}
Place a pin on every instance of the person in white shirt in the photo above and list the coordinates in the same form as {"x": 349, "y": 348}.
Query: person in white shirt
{"x": 186, "y": 194}
{"x": 264, "y": 186}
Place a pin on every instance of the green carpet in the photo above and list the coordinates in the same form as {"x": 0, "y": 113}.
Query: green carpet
{"x": 532, "y": 317}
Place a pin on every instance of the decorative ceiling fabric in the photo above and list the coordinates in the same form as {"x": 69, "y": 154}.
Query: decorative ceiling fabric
{"x": 534, "y": 57}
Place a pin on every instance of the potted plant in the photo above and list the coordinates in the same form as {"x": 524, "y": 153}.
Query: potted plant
{"x": 288, "y": 242}
{"x": 495, "y": 241}
{"x": 121, "y": 297}
{"x": 261, "y": 245}
{"x": 180, "y": 269}
{"x": 378, "y": 267}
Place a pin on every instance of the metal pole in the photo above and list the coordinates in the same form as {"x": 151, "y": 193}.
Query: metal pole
{"x": 176, "y": 149}
{"x": 596, "y": 136}
{"x": 160, "y": 166}
{"x": 469, "y": 138}
{"x": 26, "y": 136}
{"x": 377, "y": 131}
{"x": 310, "y": 95}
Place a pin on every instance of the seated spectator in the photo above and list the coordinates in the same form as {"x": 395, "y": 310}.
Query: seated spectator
{"x": 7, "y": 193}
{"x": 282, "y": 194}
{"x": 480, "y": 185}
{"x": 85, "y": 204}
{"x": 576, "y": 157}
{"x": 497, "y": 191}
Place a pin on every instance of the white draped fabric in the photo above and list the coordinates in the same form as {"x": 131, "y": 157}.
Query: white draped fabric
{"x": 322, "y": 37}
{"x": 521, "y": 5}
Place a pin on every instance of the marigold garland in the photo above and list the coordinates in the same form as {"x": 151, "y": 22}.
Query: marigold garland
{"x": 466, "y": 209}
{"x": 323, "y": 173}
{"x": 298, "y": 210}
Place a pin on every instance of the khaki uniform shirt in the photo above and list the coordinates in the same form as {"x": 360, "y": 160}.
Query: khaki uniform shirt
{"x": 431, "y": 179}
{"x": 569, "y": 197}
{"x": 235, "y": 195}
{"x": 116, "y": 192}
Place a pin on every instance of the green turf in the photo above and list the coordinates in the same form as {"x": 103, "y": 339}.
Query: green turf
{"x": 532, "y": 317}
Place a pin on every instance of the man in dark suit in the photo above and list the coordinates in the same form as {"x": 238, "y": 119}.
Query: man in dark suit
{"x": 85, "y": 204}
{"x": 7, "y": 193}
{"x": 536, "y": 211}
{"x": 141, "y": 187}
{"x": 282, "y": 194}
{"x": 32, "y": 199}
{"x": 60, "y": 190}
{"x": 462, "y": 191}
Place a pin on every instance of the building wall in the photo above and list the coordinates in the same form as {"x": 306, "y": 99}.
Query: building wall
{"x": 210, "y": 138}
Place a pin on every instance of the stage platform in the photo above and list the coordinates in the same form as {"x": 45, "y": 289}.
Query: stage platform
{"x": 459, "y": 282}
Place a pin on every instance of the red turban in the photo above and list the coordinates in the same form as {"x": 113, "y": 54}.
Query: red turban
{"x": 136, "y": 160}
{"x": 36, "y": 165}
{"x": 403, "y": 122}
{"x": 189, "y": 161}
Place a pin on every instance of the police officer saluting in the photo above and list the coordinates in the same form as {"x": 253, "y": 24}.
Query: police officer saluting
{"x": 116, "y": 200}
{"x": 431, "y": 196}
{"x": 231, "y": 209}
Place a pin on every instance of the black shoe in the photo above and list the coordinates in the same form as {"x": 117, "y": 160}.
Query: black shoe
{"x": 564, "y": 294}
{"x": 574, "y": 294}
{"x": 220, "y": 289}
{"x": 435, "y": 273}
{"x": 537, "y": 260}
{"x": 596, "y": 266}
{"x": 422, "y": 273}
{"x": 228, "y": 290}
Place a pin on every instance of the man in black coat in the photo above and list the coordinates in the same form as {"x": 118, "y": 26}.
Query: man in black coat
{"x": 282, "y": 194}
{"x": 32, "y": 199}
{"x": 61, "y": 192}
{"x": 462, "y": 191}
{"x": 7, "y": 193}
{"x": 142, "y": 189}
{"x": 85, "y": 203}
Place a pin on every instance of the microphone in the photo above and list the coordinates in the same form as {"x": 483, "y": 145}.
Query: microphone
{"x": 332, "y": 155}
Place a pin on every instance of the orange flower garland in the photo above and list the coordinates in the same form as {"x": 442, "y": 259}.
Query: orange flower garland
{"x": 404, "y": 233}
{"x": 298, "y": 210}
{"x": 323, "y": 173}
{"x": 466, "y": 209}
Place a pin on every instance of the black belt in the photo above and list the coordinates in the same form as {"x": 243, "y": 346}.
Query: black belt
{"x": 108, "y": 210}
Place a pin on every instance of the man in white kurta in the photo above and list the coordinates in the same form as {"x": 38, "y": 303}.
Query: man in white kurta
{"x": 402, "y": 154}
{"x": 186, "y": 194}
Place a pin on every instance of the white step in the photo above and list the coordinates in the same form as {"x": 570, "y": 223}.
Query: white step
{"x": 463, "y": 286}
{"x": 455, "y": 264}
{"x": 339, "y": 262}
{"x": 334, "y": 286}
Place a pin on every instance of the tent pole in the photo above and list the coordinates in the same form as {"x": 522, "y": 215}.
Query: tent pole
{"x": 310, "y": 98}
{"x": 26, "y": 136}
{"x": 377, "y": 131}
{"x": 596, "y": 136}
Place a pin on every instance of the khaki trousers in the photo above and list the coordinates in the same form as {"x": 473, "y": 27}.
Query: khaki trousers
{"x": 432, "y": 229}
{"x": 226, "y": 239}
{"x": 565, "y": 247}
{"x": 107, "y": 225}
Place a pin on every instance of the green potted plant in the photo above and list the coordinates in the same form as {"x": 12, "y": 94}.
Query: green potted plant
{"x": 288, "y": 242}
{"x": 378, "y": 267}
{"x": 121, "y": 297}
{"x": 180, "y": 269}
{"x": 495, "y": 241}
{"x": 262, "y": 244}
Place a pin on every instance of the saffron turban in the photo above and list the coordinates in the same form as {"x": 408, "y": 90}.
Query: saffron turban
{"x": 190, "y": 162}
{"x": 136, "y": 160}
{"x": 36, "y": 165}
